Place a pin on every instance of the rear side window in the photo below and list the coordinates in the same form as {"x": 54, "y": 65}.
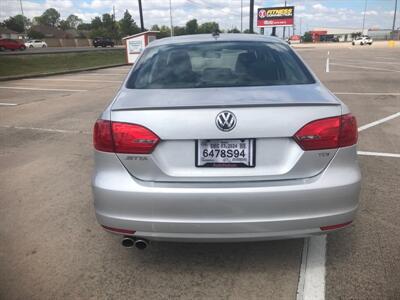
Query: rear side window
{"x": 218, "y": 64}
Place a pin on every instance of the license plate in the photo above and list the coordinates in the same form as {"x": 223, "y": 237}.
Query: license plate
{"x": 225, "y": 153}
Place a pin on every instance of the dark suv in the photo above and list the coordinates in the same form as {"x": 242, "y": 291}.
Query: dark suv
{"x": 102, "y": 42}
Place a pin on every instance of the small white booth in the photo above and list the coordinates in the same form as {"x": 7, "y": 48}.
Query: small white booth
{"x": 136, "y": 43}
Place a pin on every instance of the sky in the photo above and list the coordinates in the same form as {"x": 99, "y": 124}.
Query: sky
{"x": 312, "y": 13}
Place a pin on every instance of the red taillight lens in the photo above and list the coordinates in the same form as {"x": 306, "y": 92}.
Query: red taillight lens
{"x": 119, "y": 230}
{"x": 123, "y": 138}
{"x": 348, "y": 131}
{"x": 336, "y": 226}
{"x": 328, "y": 133}
{"x": 102, "y": 136}
{"x": 133, "y": 139}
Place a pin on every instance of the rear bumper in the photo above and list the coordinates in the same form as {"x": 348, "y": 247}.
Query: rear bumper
{"x": 226, "y": 211}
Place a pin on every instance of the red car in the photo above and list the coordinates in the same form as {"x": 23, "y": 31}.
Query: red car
{"x": 9, "y": 44}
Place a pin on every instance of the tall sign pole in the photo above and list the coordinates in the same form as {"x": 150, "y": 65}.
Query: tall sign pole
{"x": 141, "y": 16}
{"x": 251, "y": 16}
{"x": 284, "y": 28}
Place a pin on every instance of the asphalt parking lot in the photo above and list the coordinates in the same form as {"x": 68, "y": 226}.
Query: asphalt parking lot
{"x": 51, "y": 246}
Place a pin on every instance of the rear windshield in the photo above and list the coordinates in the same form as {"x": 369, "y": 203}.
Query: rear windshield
{"x": 218, "y": 64}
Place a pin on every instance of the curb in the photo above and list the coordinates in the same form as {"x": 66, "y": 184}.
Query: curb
{"x": 7, "y": 78}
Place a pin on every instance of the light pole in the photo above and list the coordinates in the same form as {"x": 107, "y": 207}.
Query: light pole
{"x": 23, "y": 16}
{"x": 394, "y": 18}
{"x": 241, "y": 15}
{"x": 251, "y": 17}
{"x": 170, "y": 17}
{"x": 365, "y": 10}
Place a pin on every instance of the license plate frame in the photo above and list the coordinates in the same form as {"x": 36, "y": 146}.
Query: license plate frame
{"x": 249, "y": 163}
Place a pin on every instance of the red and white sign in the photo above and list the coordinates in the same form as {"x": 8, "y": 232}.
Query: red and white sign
{"x": 275, "y": 16}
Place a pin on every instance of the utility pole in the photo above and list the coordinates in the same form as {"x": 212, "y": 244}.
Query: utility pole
{"x": 113, "y": 23}
{"x": 394, "y": 19}
{"x": 284, "y": 27}
{"x": 251, "y": 16}
{"x": 300, "y": 25}
{"x": 170, "y": 17}
{"x": 241, "y": 15}
{"x": 141, "y": 16}
{"x": 365, "y": 10}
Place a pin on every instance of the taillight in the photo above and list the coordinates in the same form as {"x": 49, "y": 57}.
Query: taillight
{"x": 123, "y": 138}
{"x": 329, "y": 133}
{"x": 348, "y": 131}
{"x": 102, "y": 136}
{"x": 133, "y": 139}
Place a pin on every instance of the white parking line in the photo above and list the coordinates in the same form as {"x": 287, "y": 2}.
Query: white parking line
{"x": 312, "y": 269}
{"x": 44, "y": 129}
{"x": 384, "y": 57}
{"x": 39, "y": 89}
{"x": 327, "y": 63}
{"x": 363, "y": 61}
{"x": 102, "y": 74}
{"x": 70, "y": 80}
{"x": 380, "y": 121}
{"x": 367, "y": 68}
{"x": 8, "y": 104}
{"x": 378, "y": 154}
{"x": 372, "y": 94}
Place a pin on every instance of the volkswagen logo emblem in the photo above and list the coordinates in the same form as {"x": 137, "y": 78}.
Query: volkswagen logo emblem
{"x": 225, "y": 120}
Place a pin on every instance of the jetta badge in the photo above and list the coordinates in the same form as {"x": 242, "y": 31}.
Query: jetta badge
{"x": 225, "y": 120}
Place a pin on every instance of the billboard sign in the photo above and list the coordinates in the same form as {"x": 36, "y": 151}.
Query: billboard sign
{"x": 275, "y": 16}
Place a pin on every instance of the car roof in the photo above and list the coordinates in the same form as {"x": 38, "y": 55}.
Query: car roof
{"x": 228, "y": 37}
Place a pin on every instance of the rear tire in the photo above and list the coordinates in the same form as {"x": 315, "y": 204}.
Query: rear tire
{"x": 31, "y": 46}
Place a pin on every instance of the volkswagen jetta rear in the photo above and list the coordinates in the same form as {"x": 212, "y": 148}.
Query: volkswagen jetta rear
{"x": 224, "y": 138}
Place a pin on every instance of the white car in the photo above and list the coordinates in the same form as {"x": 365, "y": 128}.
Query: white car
{"x": 362, "y": 40}
{"x": 35, "y": 44}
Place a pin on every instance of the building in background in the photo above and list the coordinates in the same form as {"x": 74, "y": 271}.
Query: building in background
{"x": 332, "y": 34}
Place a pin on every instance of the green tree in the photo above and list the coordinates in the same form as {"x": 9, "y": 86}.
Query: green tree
{"x": 165, "y": 31}
{"x": 192, "y": 27}
{"x": 64, "y": 25}
{"x": 127, "y": 25}
{"x": 73, "y": 21}
{"x": 234, "y": 30}
{"x": 51, "y": 17}
{"x": 17, "y": 23}
{"x": 84, "y": 26}
{"x": 107, "y": 21}
{"x": 96, "y": 23}
{"x": 208, "y": 27}
{"x": 307, "y": 37}
{"x": 179, "y": 30}
{"x": 32, "y": 34}
{"x": 155, "y": 28}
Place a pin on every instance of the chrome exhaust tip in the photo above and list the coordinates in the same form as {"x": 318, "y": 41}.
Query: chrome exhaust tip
{"x": 127, "y": 242}
{"x": 141, "y": 244}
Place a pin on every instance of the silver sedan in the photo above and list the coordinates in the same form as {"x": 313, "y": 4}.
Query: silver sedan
{"x": 224, "y": 138}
